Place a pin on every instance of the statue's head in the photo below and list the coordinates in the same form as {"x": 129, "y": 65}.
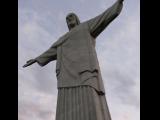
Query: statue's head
{"x": 72, "y": 20}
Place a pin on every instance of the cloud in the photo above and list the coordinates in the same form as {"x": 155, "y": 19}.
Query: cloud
{"x": 118, "y": 53}
{"x": 124, "y": 112}
{"x": 36, "y": 86}
{"x": 33, "y": 105}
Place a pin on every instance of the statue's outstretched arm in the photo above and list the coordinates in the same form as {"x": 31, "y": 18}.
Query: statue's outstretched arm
{"x": 45, "y": 58}
{"x": 99, "y": 23}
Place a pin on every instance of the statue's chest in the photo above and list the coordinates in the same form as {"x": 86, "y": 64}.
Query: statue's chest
{"x": 79, "y": 33}
{"x": 77, "y": 37}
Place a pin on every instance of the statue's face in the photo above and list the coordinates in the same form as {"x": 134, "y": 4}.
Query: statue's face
{"x": 71, "y": 21}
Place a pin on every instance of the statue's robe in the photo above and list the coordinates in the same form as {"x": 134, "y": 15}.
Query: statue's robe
{"x": 77, "y": 66}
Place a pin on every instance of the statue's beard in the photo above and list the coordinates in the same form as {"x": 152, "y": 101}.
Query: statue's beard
{"x": 71, "y": 25}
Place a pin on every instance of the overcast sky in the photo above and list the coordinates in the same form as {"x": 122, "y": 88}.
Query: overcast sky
{"x": 42, "y": 22}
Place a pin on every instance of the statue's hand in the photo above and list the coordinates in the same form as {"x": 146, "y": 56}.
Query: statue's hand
{"x": 29, "y": 62}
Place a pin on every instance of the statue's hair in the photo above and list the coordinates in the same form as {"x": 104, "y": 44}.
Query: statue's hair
{"x": 77, "y": 19}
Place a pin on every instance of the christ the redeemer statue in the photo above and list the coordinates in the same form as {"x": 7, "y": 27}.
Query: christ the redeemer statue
{"x": 81, "y": 93}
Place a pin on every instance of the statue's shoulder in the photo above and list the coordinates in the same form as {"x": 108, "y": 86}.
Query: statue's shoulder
{"x": 61, "y": 40}
{"x": 64, "y": 36}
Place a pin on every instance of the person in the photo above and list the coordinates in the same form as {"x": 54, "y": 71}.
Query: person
{"x": 81, "y": 93}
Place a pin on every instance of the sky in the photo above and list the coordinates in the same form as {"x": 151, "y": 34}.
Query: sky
{"x": 42, "y": 22}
